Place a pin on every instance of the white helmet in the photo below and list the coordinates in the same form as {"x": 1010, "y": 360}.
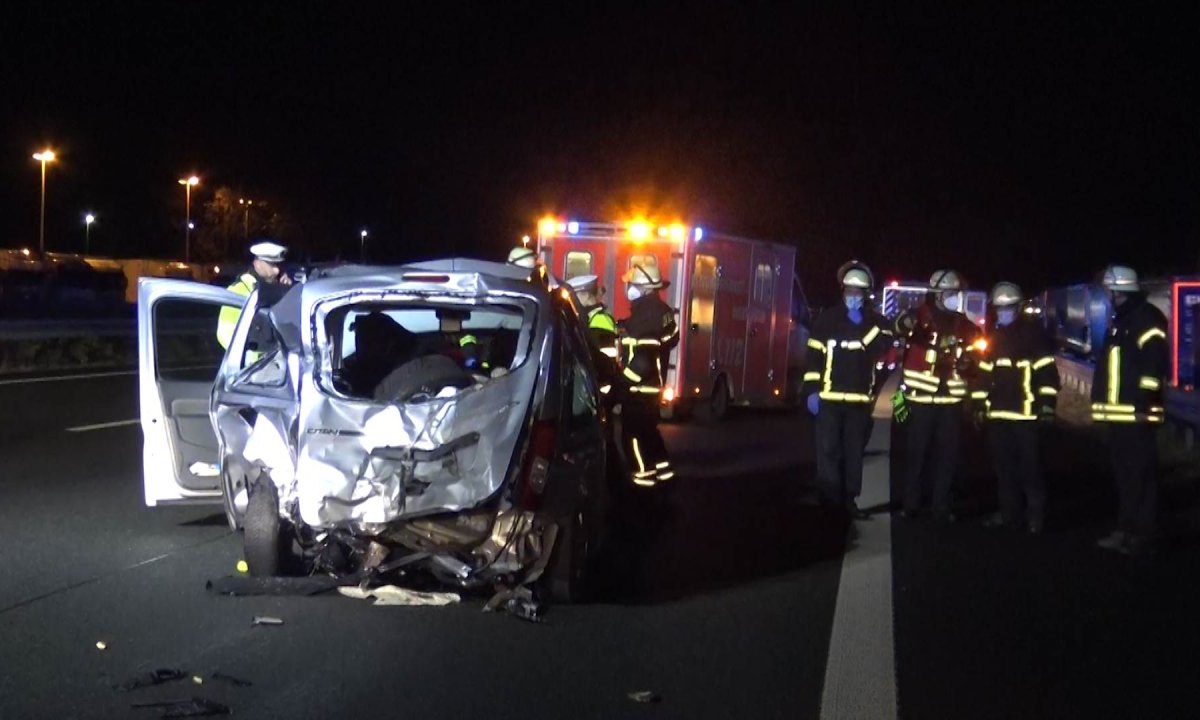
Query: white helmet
{"x": 1119, "y": 278}
{"x": 947, "y": 280}
{"x": 646, "y": 277}
{"x": 268, "y": 251}
{"x": 584, "y": 283}
{"x": 856, "y": 275}
{"x": 522, "y": 257}
{"x": 1006, "y": 294}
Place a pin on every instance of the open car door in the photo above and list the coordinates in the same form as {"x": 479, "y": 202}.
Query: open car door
{"x": 178, "y": 360}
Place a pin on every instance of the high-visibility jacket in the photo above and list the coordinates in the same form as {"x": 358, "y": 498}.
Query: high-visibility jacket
{"x": 939, "y": 355}
{"x": 1128, "y": 383}
{"x": 227, "y": 321}
{"x": 842, "y": 356}
{"x": 602, "y": 333}
{"x": 647, "y": 337}
{"x": 1018, "y": 377}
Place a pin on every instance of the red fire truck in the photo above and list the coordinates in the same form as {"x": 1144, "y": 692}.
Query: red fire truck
{"x": 733, "y": 297}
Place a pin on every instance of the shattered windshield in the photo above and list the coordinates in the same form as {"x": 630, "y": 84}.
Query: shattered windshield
{"x": 371, "y": 341}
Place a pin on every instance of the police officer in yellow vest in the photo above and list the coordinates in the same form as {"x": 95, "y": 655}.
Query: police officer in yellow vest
{"x": 268, "y": 256}
{"x": 1128, "y": 389}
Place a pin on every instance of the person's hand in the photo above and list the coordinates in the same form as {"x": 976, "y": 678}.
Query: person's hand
{"x": 285, "y": 279}
{"x": 813, "y": 403}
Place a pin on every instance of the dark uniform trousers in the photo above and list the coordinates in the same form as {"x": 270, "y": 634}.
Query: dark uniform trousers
{"x": 1135, "y": 464}
{"x": 933, "y": 438}
{"x": 841, "y": 430}
{"x": 1019, "y": 482}
{"x": 642, "y": 441}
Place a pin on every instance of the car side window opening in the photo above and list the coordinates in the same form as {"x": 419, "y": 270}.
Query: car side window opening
{"x": 577, "y": 263}
{"x": 185, "y": 340}
{"x": 370, "y": 340}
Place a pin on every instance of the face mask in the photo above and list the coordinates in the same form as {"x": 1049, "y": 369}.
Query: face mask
{"x": 633, "y": 292}
{"x": 1005, "y": 316}
{"x": 950, "y": 302}
{"x": 854, "y": 302}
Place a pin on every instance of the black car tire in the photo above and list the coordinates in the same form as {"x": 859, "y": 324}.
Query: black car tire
{"x": 263, "y": 536}
{"x": 718, "y": 403}
{"x": 424, "y": 375}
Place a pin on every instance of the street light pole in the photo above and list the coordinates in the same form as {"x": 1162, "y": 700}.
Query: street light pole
{"x": 362, "y": 242}
{"x": 87, "y": 233}
{"x": 187, "y": 184}
{"x": 45, "y": 156}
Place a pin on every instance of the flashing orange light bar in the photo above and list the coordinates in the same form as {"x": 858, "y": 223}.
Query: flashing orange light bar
{"x": 981, "y": 345}
{"x": 639, "y": 230}
{"x": 547, "y": 227}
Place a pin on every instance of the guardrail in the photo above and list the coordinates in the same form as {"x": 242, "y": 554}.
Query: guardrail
{"x": 46, "y": 329}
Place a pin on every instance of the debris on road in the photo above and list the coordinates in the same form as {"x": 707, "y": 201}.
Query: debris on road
{"x": 266, "y": 620}
{"x": 152, "y": 678}
{"x": 242, "y": 567}
{"x": 393, "y": 595}
{"x": 195, "y": 707}
{"x": 101, "y": 645}
{"x": 197, "y": 680}
{"x": 518, "y": 602}
{"x": 645, "y": 696}
{"x": 234, "y": 681}
{"x": 247, "y": 585}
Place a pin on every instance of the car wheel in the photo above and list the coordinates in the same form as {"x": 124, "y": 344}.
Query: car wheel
{"x": 718, "y": 403}
{"x": 262, "y": 538}
{"x": 424, "y": 375}
{"x": 567, "y": 574}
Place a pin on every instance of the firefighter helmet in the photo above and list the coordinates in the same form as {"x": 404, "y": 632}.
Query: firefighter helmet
{"x": 584, "y": 284}
{"x": 647, "y": 277}
{"x": 1006, "y": 294}
{"x": 946, "y": 280}
{"x": 1120, "y": 278}
{"x": 855, "y": 274}
{"x": 522, "y": 257}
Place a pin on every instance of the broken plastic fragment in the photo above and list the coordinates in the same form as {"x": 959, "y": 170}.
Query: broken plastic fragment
{"x": 203, "y": 469}
{"x": 101, "y": 645}
{"x": 242, "y": 567}
{"x": 152, "y": 678}
{"x": 266, "y": 620}
{"x": 235, "y": 681}
{"x": 197, "y": 680}
{"x": 644, "y": 696}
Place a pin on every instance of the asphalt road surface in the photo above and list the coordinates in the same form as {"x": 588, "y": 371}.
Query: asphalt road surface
{"x": 726, "y": 611}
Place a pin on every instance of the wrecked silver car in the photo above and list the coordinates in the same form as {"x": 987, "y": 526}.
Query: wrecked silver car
{"x": 441, "y": 416}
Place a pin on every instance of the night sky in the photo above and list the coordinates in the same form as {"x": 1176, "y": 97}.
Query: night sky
{"x": 1032, "y": 143}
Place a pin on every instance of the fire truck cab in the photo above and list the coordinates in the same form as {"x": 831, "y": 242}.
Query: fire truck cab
{"x": 732, "y": 296}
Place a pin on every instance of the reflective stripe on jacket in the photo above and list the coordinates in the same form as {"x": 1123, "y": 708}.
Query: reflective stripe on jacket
{"x": 841, "y": 357}
{"x": 1128, "y": 383}
{"x": 1020, "y": 375}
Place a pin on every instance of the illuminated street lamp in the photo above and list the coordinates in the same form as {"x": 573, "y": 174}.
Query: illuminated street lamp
{"x": 362, "y": 241}
{"x": 187, "y": 184}
{"x": 44, "y": 157}
{"x": 246, "y": 204}
{"x": 87, "y": 233}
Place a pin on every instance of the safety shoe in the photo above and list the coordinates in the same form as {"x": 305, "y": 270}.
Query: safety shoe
{"x": 1115, "y": 541}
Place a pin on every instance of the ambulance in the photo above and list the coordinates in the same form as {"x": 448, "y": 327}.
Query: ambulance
{"x": 733, "y": 298}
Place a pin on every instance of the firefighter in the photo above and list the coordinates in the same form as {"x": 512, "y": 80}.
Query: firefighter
{"x": 602, "y": 328}
{"x": 264, "y": 270}
{"x": 646, "y": 339}
{"x": 840, "y": 387}
{"x": 1127, "y": 397}
{"x": 1018, "y": 385}
{"x": 938, "y": 358}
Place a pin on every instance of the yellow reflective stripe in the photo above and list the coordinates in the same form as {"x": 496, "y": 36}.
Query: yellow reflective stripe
{"x": 1047, "y": 391}
{"x": 931, "y": 356}
{"x": 631, "y": 375}
{"x": 637, "y": 455}
{"x": 1114, "y": 407}
{"x": 1150, "y": 335}
{"x": 609, "y": 352}
{"x": 851, "y": 345}
{"x": 816, "y": 344}
{"x": 1043, "y": 362}
{"x": 844, "y": 397}
{"x": 666, "y": 475}
{"x": 1027, "y": 387}
{"x": 1004, "y": 362}
{"x": 979, "y": 395}
{"x": 1149, "y": 383}
{"x": 812, "y": 376}
{"x": 985, "y": 366}
{"x": 647, "y": 389}
{"x": 1008, "y": 415}
{"x": 829, "y": 367}
{"x": 871, "y": 335}
{"x": 1114, "y": 375}
{"x": 1102, "y": 417}
{"x": 605, "y": 389}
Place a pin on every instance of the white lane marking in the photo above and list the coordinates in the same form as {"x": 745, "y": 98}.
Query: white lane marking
{"x": 65, "y": 378}
{"x": 103, "y": 426}
{"x": 860, "y": 673}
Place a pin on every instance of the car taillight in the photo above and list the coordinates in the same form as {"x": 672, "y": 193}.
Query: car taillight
{"x": 537, "y": 464}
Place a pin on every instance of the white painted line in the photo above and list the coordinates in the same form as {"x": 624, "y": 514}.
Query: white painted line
{"x": 65, "y": 378}
{"x": 103, "y": 426}
{"x": 860, "y": 674}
